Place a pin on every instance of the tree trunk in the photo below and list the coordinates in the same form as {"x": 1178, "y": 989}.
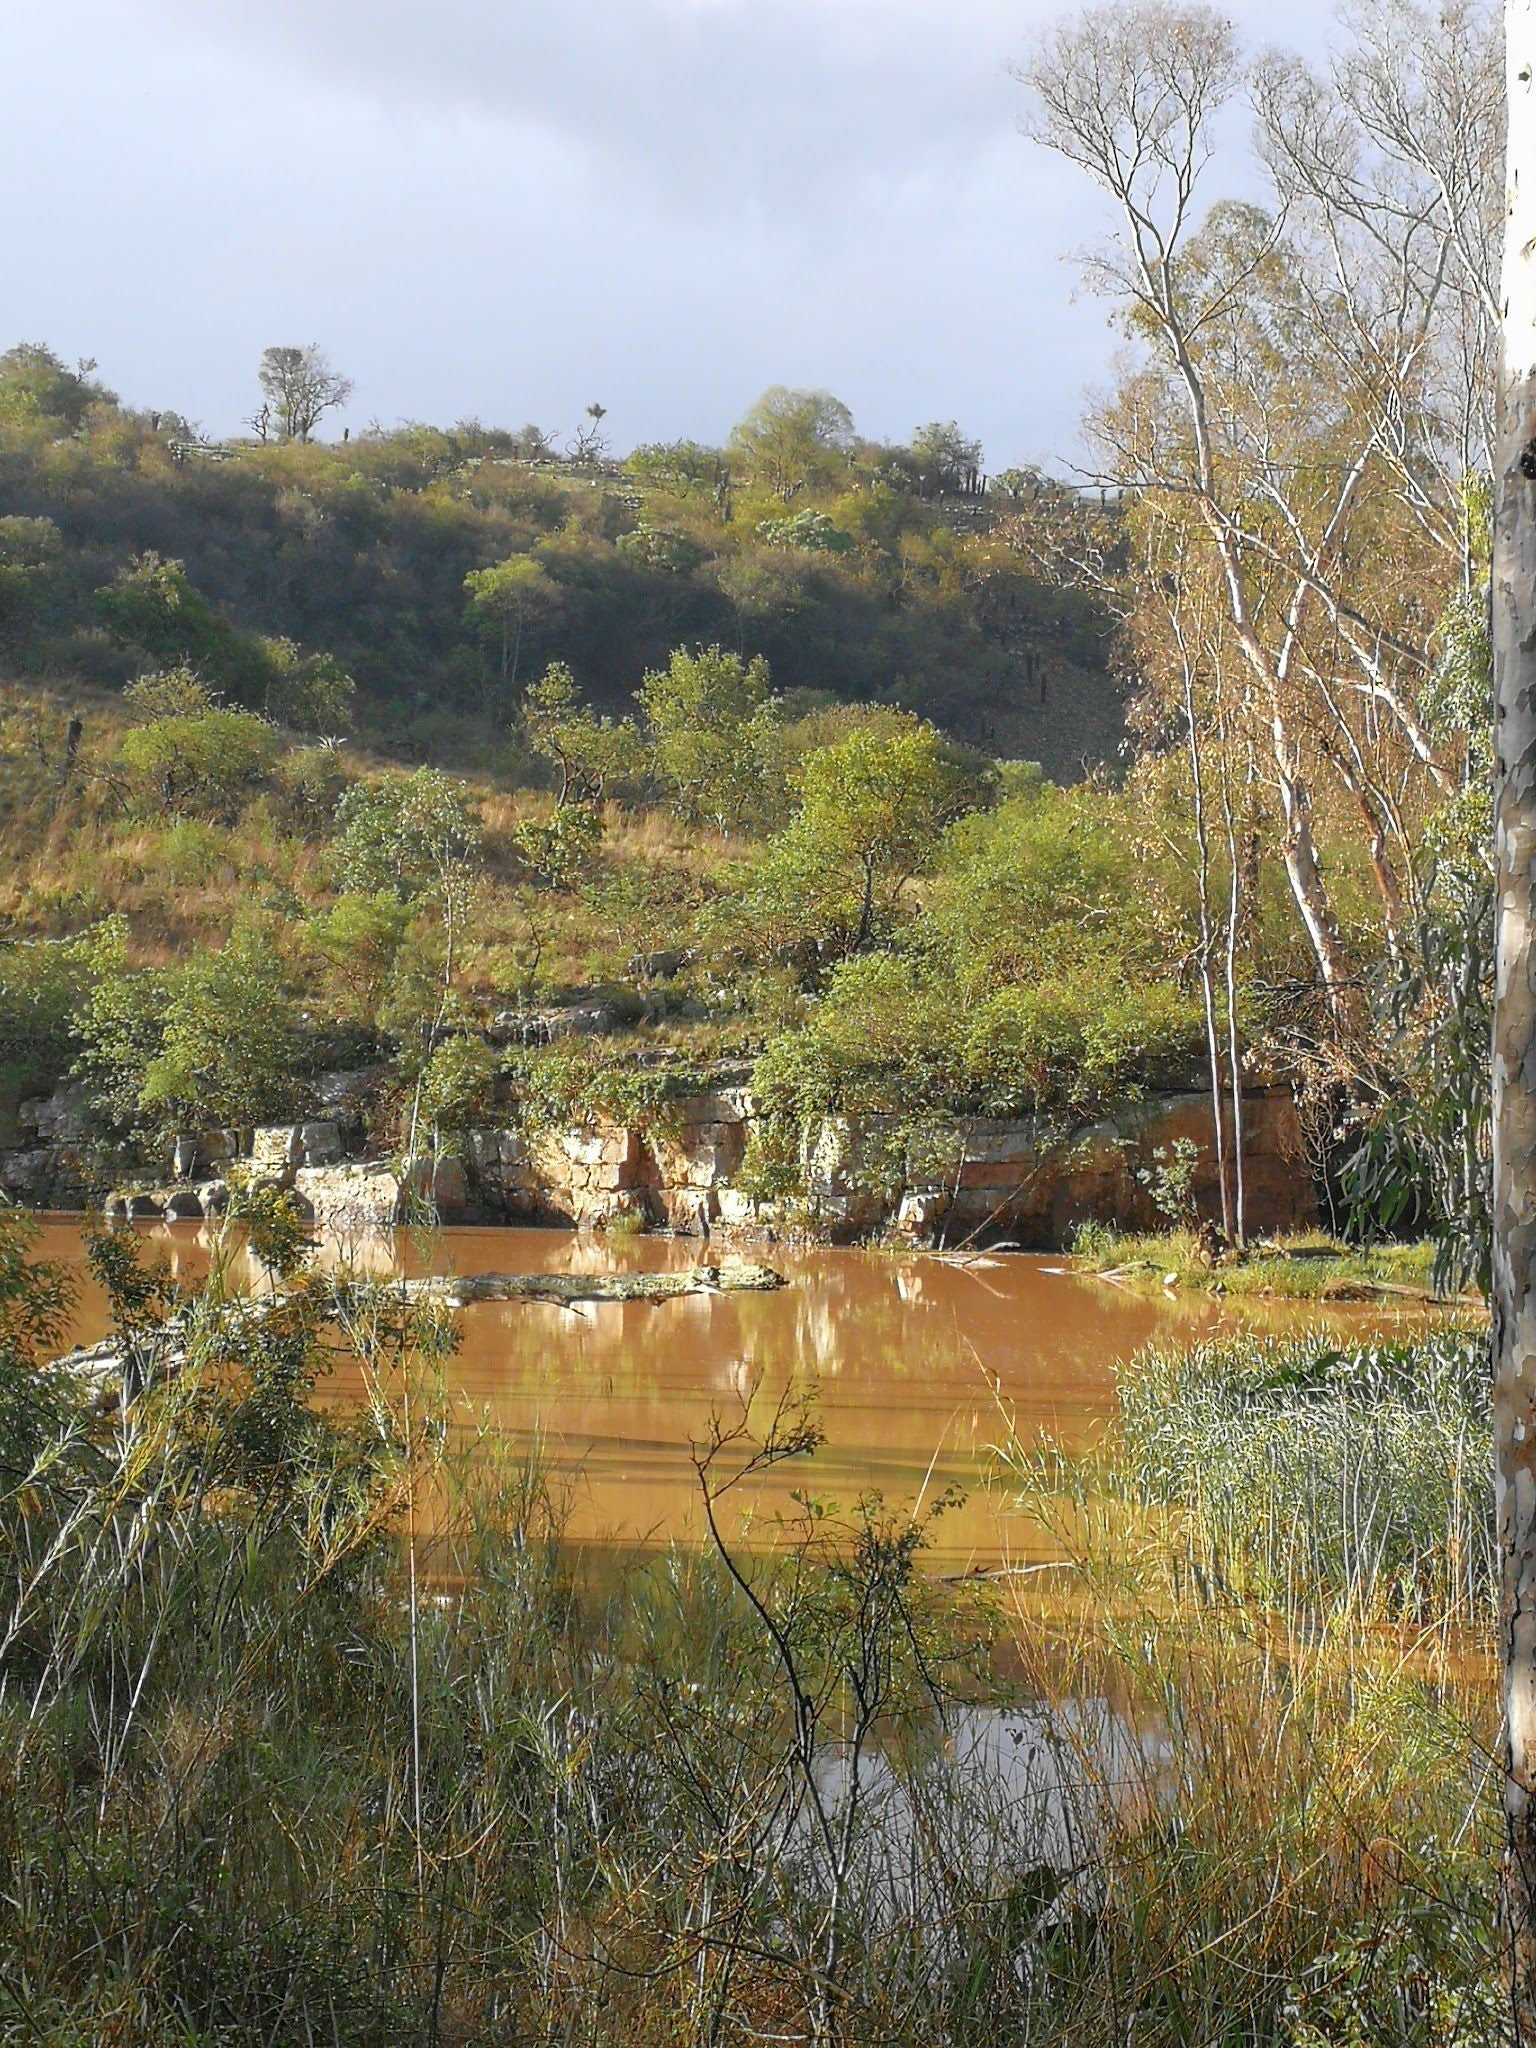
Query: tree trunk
{"x": 1298, "y": 849}
{"x": 1514, "y": 1029}
{"x": 1207, "y": 953}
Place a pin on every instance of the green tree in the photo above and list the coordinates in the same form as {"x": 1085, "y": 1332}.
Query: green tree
{"x": 457, "y": 1086}
{"x": 792, "y": 441}
{"x": 38, "y": 389}
{"x": 872, "y": 807}
{"x": 359, "y": 938}
{"x": 44, "y": 984}
{"x": 708, "y": 715}
{"x": 938, "y": 462}
{"x": 662, "y": 549}
{"x": 167, "y": 693}
{"x": 203, "y": 761}
{"x": 810, "y": 531}
{"x": 404, "y": 833}
{"x": 210, "y": 1042}
{"x": 152, "y": 607}
{"x": 683, "y": 469}
{"x": 298, "y": 388}
{"x": 33, "y": 577}
{"x": 884, "y": 1040}
{"x": 509, "y": 602}
{"x": 587, "y": 752}
{"x": 312, "y": 693}
{"x": 229, "y": 1049}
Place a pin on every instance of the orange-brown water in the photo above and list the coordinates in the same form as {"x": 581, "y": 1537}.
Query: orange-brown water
{"x": 914, "y": 1364}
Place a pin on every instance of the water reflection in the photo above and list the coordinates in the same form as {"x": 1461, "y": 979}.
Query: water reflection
{"x": 911, "y": 1359}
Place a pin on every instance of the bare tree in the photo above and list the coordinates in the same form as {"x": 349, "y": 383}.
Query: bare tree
{"x": 298, "y": 387}
{"x": 1131, "y": 94}
{"x": 1309, "y": 378}
{"x": 1514, "y": 1034}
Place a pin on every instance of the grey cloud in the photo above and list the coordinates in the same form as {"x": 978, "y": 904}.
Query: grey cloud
{"x": 819, "y": 104}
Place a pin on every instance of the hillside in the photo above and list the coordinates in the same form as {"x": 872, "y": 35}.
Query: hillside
{"x": 861, "y": 573}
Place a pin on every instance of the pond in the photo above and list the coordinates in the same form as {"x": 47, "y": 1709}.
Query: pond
{"x": 914, "y": 1364}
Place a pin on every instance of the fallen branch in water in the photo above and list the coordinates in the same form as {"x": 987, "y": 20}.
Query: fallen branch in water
{"x": 164, "y": 1350}
{"x": 731, "y": 1276}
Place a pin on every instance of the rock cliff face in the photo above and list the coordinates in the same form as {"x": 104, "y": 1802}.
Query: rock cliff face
{"x": 47, "y": 1167}
{"x": 1030, "y": 1180}
{"x": 1036, "y": 1179}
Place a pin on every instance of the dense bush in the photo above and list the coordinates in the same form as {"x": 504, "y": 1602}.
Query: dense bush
{"x": 442, "y": 568}
{"x": 209, "y": 1043}
{"x": 44, "y": 984}
{"x": 205, "y": 761}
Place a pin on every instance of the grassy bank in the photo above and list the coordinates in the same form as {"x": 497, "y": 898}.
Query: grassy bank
{"x": 1308, "y": 1266}
{"x": 277, "y": 1772}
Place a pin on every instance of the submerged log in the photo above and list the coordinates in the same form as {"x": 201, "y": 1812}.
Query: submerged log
{"x": 165, "y": 1350}
{"x": 459, "y": 1290}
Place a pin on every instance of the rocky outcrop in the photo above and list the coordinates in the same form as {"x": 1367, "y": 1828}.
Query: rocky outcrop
{"x": 47, "y": 1164}
{"x": 1036, "y": 1179}
{"x": 372, "y": 1194}
{"x": 1033, "y": 1180}
{"x": 278, "y": 1151}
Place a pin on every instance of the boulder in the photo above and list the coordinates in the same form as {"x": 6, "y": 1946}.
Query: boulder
{"x": 277, "y": 1149}
{"x": 62, "y": 1118}
{"x": 920, "y": 1211}
{"x": 737, "y": 1211}
{"x": 365, "y": 1195}
{"x": 661, "y": 966}
{"x": 320, "y": 1144}
{"x": 183, "y": 1205}
{"x": 25, "y": 1177}
{"x": 543, "y": 1027}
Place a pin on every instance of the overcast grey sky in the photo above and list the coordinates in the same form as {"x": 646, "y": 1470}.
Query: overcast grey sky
{"x": 513, "y": 207}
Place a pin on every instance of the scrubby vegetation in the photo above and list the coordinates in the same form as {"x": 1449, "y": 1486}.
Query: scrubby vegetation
{"x": 1303, "y": 1266}
{"x": 393, "y": 751}
{"x": 211, "y": 909}
{"x": 442, "y": 569}
{"x": 317, "y": 1728}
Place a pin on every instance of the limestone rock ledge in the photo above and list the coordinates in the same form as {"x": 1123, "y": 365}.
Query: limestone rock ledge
{"x": 1032, "y": 1180}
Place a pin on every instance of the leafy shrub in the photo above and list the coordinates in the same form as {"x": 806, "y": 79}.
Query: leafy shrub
{"x": 211, "y": 1042}
{"x": 403, "y": 833}
{"x": 559, "y": 848}
{"x": 202, "y": 761}
{"x": 881, "y": 1040}
{"x": 570, "y": 1083}
{"x": 44, "y": 984}
{"x": 893, "y": 1034}
{"x": 359, "y": 938}
{"x": 810, "y": 530}
{"x": 191, "y": 852}
{"x": 706, "y": 713}
{"x": 1078, "y": 1037}
{"x": 662, "y": 549}
{"x": 457, "y": 1085}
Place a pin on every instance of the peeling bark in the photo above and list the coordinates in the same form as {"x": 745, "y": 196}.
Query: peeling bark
{"x": 1514, "y": 1033}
